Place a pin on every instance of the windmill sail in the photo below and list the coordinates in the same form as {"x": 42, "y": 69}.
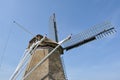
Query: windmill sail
{"x": 95, "y": 32}
{"x": 53, "y": 28}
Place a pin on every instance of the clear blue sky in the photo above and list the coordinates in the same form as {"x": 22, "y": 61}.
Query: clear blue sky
{"x": 98, "y": 60}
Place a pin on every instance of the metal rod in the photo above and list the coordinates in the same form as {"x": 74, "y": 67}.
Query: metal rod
{"x": 23, "y": 28}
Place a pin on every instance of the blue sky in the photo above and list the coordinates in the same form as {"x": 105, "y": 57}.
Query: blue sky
{"x": 98, "y": 60}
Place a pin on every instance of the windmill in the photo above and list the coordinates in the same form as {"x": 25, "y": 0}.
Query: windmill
{"x": 42, "y": 58}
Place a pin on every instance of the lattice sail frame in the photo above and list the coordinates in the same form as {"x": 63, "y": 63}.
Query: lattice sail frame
{"x": 93, "y": 33}
{"x": 53, "y": 34}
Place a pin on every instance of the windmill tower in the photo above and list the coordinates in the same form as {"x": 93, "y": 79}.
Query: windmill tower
{"x": 45, "y": 61}
{"x": 52, "y": 68}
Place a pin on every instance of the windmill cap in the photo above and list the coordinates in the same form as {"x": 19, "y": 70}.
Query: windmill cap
{"x": 45, "y": 43}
